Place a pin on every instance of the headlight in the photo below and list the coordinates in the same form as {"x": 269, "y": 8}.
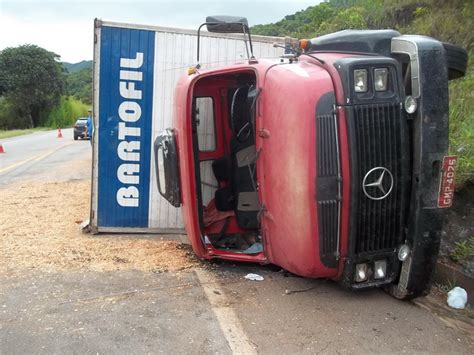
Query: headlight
{"x": 381, "y": 79}
{"x": 361, "y": 272}
{"x": 403, "y": 252}
{"x": 360, "y": 80}
{"x": 410, "y": 104}
{"x": 380, "y": 269}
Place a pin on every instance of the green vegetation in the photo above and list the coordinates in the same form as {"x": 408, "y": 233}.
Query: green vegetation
{"x": 75, "y": 67}
{"x": 67, "y": 112}
{"x": 31, "y": 82}
{"x": 20, "y": 132}
{"x": 327, "y": 17}
{"x": 36, "y": 90}
{"x": 447, "y": 20}
{"x": 62, "y": 115}
{"x": 463, "y": 251}
{"x": 79, "y": 85}
{"x": 461, "y": 125}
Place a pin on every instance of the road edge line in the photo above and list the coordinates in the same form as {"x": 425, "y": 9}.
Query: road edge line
{"x": 228, "y": 321}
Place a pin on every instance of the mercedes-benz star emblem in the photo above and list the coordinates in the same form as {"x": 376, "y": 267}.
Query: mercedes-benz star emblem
{"x": 377, "y": 183}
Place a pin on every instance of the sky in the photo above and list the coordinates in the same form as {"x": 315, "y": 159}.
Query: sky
{"x": 65, "y": 27}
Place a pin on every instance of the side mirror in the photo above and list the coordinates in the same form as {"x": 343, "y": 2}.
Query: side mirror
{"x": 227, "y": 24}
{"x": 167, "y": 167}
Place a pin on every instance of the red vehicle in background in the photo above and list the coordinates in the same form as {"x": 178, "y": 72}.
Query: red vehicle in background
{"x": 330, "y": 162}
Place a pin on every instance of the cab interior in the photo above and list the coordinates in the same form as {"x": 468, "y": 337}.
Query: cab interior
{"x": 223, "y": 121}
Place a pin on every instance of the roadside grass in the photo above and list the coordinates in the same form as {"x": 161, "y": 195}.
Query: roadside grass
{"x": 461, "y": 124}
{"x": 20, "y": 132}
{"x": 68, "y": 111}
{"x": 463, "y": 251}
{"x": 62, "y": 116}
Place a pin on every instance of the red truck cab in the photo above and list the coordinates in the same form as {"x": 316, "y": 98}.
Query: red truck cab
{"x": 328, "y": 162}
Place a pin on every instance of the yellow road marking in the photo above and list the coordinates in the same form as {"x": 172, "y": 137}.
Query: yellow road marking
{"x": 35, "y": 158}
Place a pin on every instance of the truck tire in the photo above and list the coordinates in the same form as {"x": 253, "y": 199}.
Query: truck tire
{"x": 456, "y": 60}
{"x": 75, "y": 137}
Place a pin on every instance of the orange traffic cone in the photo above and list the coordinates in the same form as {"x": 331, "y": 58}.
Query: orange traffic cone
{"x": 1, "y": 148}
{"x": 60, "y": 135}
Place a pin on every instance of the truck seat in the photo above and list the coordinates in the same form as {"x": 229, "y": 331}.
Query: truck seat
{"x": 244, "y": 185}
{"x": 224, "y": 197}
{"x": 222, "y": 169}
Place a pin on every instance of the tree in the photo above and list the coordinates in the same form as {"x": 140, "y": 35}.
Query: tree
{"x": 79, "y": 85}
{"x": 32, "y": 80}
{"x": 350, "y": 18}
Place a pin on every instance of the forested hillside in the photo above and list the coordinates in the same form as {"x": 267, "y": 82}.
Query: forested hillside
{"x": 447, "y": 20}
{"x": 75, "y": 67}
{"x": 79, "y": 85}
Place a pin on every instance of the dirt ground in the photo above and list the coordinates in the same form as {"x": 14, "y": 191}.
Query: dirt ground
{"x": 40, "y": 230}
{"x": 459, "y": 227}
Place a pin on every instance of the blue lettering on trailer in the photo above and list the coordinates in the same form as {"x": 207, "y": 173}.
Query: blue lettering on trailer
{"x": 125, "y": 124}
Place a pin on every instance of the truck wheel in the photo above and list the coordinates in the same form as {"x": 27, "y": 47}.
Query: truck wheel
{"x": 75, "y": 137}
{"x": 456, "y": 60}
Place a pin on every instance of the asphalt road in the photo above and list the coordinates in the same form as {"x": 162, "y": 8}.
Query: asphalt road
{"x": 210, "y": 309}
{"x": 43, "y": 156}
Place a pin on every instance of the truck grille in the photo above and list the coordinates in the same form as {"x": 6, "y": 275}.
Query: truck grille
{"x": 377, "y": 131}
{"x": 328, "y": 189}
{"x": 327, "y": 147}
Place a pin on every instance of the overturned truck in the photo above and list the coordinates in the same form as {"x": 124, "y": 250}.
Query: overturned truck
{"x": 330, "y": 161}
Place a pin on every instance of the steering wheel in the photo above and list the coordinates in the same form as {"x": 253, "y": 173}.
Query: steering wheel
{"x": 244, "y": 132}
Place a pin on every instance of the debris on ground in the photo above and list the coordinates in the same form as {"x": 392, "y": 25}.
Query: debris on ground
{"x": 254, "y": 248}
{"x": 39, "y": 231}
{"x": 289, "y": 292}
{"x": 457, "y": 298}
{"x": 253, "y": 277}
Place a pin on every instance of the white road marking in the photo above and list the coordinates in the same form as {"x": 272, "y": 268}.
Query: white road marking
{"x": 230, "y": 324}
